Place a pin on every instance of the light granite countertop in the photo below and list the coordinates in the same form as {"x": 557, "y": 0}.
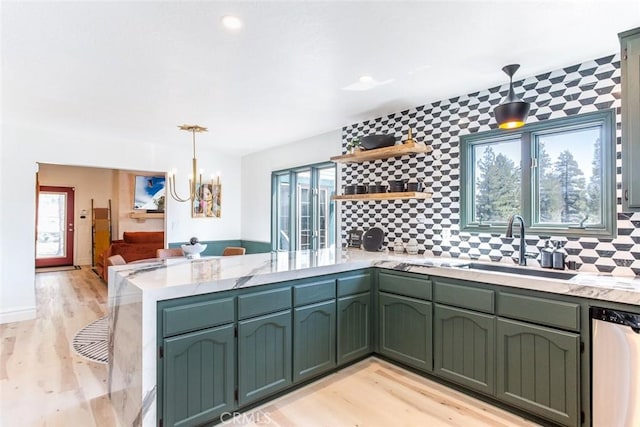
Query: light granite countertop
{"x": 175, "y": 278}
{"x": 135, "y": 289}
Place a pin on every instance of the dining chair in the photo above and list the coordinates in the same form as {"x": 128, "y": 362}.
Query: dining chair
{"x": 169, "y": 253}
{"x": 116, "y": 260}
{"x": 233, "y": 250}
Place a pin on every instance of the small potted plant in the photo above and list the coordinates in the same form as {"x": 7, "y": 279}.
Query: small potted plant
{"x": 353, "y": 145}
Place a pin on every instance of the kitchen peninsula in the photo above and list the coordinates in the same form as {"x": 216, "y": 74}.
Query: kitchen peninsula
{"x": 433, "y": 287}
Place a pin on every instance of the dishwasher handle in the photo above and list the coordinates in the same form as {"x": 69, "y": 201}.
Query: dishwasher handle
{"x": 618, "y": 317}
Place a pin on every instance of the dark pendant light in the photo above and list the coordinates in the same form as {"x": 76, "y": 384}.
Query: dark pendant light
{"x": 513, "y": 112}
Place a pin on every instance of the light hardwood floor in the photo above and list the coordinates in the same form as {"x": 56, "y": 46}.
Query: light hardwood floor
{"x": 376, "y": 393}
{"x": 43, "y": 382}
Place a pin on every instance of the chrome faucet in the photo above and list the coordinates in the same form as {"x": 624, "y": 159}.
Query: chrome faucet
{"x": 522, "y": 259}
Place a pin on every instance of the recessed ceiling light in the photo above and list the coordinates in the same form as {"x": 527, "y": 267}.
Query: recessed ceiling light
{"x": 366, "y": 83}
{"x": 231, "y": 22}
{"x": 366, "y": 79}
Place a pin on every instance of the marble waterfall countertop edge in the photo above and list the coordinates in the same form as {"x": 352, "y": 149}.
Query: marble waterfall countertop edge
{"x": 180, "y": 277}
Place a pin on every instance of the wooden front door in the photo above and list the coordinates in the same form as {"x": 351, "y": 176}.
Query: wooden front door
{"x": 55, "y": 226}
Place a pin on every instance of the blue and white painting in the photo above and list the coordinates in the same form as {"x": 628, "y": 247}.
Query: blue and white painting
{"x": 149, "y": 193}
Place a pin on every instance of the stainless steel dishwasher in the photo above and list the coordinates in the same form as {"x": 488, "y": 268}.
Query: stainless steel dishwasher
{"x": 615, "y": 368}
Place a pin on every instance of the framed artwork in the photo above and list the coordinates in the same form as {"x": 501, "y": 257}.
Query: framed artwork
{"x": 208, "y": 203}
{"x": 149, "y": 193}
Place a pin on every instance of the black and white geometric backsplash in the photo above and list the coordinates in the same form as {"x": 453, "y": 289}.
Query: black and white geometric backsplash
{"x": 586, "y": 87}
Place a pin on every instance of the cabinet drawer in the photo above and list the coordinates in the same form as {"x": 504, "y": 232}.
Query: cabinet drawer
{"x": 401, "y": 284}
{"x": 191, "y": 317}
{"x": 464, "y": 296}
{"x": 560, "y": 314}
{"x": 258, "y": 303}
{"x": 314, "y": 292}
{"x": 355, "y": 284}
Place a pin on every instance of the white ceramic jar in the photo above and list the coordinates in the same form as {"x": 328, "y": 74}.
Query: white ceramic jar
{"x": 412, "y": 247}
{"x": 398, "y": 246}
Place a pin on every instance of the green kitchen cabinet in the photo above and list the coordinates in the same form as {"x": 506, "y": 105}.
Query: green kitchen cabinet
{"x": 354, "y": 327}
{"x": 538, "y": 370}
{"x": 264, "y": 356}
{"x": 405, "y": 330}
{"x": 314, "y": 342}
{"x": 407, "y": 284}
{"x": 630, "y": 98}
{"x": 199, "y": 376}
{"x": 463, "y": 343}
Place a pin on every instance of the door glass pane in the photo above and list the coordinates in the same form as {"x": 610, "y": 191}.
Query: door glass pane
{"x": 568, "y": 179}
{"x": 304, "y": 216}
{"x": 303, "y": 210}
{"x": 326, "y": 207}
{"x": 52, "y": 218}
{"x": 283, "y": 213}
{"x": 496, "y": 179}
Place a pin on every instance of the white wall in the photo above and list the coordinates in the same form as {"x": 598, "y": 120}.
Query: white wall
{"x": 256, "y": 178}
{"x": 25, "y": 146}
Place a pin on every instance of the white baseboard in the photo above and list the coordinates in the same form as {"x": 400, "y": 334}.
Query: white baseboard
{"x": 83, "y": 261}
{"x": 18, "y": 315}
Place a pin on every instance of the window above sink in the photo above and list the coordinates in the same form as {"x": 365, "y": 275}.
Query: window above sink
{"x": 559, "y": 174}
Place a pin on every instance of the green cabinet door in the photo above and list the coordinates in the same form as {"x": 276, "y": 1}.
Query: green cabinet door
{"x": 354, "y": 327}
{"x": 264, "y": 356}
{"x": 314, "y": 339}
{"x": 463, "y": 346}
{"x": 538, "y": 370}
{"x": 405, "y": 330}
{"x": 198, "y": 376}
{"x": 630, "y": 79}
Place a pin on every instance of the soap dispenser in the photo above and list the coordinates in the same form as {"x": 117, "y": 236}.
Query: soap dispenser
{"x": 559, "y": 256}
{"x": 546, "y": 257}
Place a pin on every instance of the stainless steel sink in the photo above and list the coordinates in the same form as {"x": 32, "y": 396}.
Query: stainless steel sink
{"x": 523, "y": 271}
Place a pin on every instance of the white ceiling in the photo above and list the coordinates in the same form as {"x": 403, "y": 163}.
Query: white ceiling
{"x": 136, "y": 70}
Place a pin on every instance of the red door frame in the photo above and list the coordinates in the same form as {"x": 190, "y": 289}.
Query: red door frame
{"x": 70, "y": 226}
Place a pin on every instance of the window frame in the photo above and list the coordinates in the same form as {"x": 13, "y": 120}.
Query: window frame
{"x": 314, "y": 205}
{"x": 528, "y": 197}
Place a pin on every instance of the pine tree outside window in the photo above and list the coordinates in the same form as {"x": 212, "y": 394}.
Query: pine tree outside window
{"x": 567, "y": 187}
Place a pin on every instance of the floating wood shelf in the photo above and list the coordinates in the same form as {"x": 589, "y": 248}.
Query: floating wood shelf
{"x": 142, "y": 216}
{"x": 383, "y": 196}
{"x": 382, "y": 153}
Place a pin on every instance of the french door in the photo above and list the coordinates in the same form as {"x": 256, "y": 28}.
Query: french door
{"x": 54, "y": 227}
{"x": 303, "y": 214}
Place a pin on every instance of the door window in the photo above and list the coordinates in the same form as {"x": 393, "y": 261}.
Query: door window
{"x": 55, "y": 226}
{"x": 304, "y": 218}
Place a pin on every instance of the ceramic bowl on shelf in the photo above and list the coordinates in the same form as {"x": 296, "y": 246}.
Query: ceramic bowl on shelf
{"x": 193, "y": 251}
{"x": 377, "y": 188}
{"x": 371, "y": 142}
{"x": 355, "y": 189}
{"x": 414, "y": 186}
{"x": 397, "y": 186}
